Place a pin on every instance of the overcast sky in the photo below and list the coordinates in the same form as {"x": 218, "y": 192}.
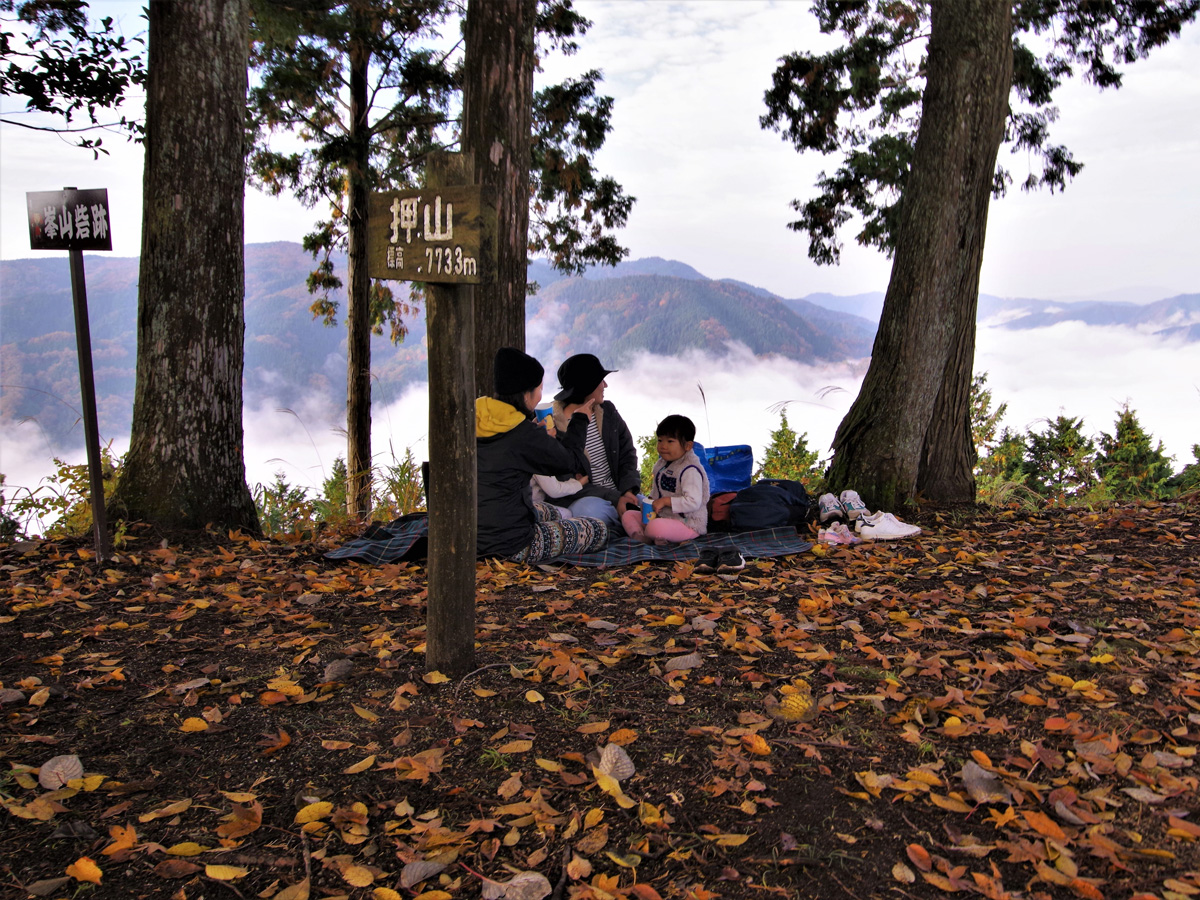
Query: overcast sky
{"x": 714, "y": 189}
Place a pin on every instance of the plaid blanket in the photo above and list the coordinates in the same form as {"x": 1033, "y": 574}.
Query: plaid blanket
{"x": 407, "y": 539}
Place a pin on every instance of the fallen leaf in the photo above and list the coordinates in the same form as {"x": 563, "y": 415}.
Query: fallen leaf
{"x": 56, "y": 772}
{"x": 83, "y": 869}
{"x": 225, "y": 873}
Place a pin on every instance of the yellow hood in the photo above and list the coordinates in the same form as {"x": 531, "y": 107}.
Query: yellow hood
{"x": 493, "y": 417}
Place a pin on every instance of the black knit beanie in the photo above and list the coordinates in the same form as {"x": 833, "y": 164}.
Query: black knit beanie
{"x": 515, "y": 372}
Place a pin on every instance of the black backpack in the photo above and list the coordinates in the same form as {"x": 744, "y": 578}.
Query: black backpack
{"x": 770, "y": 503}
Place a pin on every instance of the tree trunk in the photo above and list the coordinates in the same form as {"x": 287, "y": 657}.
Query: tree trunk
{"x": 453, "y": 490}
{"x": 497, "y": 128}
{"x": 358, "y": 296}
{"x": 185, "y": 466}
{"x": 908, "y": 435}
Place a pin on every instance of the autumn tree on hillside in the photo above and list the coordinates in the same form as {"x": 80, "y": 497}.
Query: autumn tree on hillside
{"x": 185, "y": 466}
{"x": 919, "y": 131}
{"x": 370, "y": 94}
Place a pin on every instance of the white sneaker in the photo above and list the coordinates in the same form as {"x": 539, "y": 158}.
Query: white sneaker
{"x": 884, "y": 527}
{"x": 853, "y": 505}
{"x": 831, "y": 508}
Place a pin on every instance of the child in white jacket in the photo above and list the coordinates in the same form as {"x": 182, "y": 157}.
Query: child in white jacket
{"x": 679, "y": 489}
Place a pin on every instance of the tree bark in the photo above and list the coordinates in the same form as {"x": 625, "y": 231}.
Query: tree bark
{"x": 453, "y": 490}
{"x": 185, "y": 466}
{"x": 497, "y": 131}
{"x": 907, "y": 436}
{"x": 358, "y": 295}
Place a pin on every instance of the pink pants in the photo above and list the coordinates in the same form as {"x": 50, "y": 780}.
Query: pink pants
{"x": 658, "y": 529}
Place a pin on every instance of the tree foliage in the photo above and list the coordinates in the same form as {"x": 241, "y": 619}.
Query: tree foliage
{"x": 301, "y": 57}
{"x": 1129, "y": 464}
{"x": 51, "y": 57}
{"x": 862, "y": 100}
{"x": 787, "y": 456}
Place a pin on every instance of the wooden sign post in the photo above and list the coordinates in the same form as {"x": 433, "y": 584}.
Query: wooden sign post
{"x": 443, "y": 235}
{"x": 75, "y": 221}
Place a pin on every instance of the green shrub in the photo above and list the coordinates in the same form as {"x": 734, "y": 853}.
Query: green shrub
{"x": 1128, "y": 465}
{"x": 787, "y": 456}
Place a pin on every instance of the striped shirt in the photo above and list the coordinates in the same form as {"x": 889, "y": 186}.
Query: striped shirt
{"x": 601, "y": 475}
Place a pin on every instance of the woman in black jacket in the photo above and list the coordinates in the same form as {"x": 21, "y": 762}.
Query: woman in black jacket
{"x": 511, "y": 448}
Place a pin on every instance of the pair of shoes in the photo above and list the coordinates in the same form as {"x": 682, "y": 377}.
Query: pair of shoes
{"x": 708, "y": 562}
{"x": 837, "y": 533}
{"x": 730, "y": 560}
{"x": 884, "y": 526}
{"x": 848, "y": 506}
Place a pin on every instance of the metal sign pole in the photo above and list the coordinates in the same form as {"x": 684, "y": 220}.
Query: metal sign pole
{"x": 75, "y": 221}
{"x": 87, "y": 389}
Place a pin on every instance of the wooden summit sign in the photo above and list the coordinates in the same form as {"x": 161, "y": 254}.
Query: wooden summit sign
{"x": 443, "y": 235}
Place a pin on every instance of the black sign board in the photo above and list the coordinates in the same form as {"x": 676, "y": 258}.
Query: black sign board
{"x": 69, "y": 220}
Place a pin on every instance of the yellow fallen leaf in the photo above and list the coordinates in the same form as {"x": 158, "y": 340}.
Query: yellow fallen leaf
{"x": 357, "y": 876}
{"x": 593, "y": 727}
{"x": 225, "y": 873}
{"x": 433, "y": 895}
{"x": 534, "y": 697}
{"x": 336, "y": 745}
{"x": 434, "y": 678}
{"x": 728, "y": 840}
{"x": 164, "y": 812}
{"x": 517, "y": 747}
{"x": 360, "y": 766}
{"x": 193, "y": 724}
{"x": 314, "y": 811}
{"x": 239, "y": 796}
{"x": 83, "y": 869}
{"x": 124, "y": 837}
{"x": 623, "y": 737}
{"x": 365, "y": 713}
{"x": 548, "y": 764}
{"x": 297, "y": 891}
{"x": 382, "y": 893}
{"x": 87, "y": 784}
{"x": 612, "y": 787}
{"x": 482, "y": 693}
{"x": 187, "y": 848}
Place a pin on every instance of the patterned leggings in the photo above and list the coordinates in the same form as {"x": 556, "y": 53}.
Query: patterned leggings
{"x": 555, "y": 536}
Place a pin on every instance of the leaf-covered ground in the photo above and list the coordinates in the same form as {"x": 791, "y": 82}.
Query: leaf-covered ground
{"x": 1007, "y": 706}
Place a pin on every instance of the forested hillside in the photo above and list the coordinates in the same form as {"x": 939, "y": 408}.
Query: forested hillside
{"x": 289, "y": 356}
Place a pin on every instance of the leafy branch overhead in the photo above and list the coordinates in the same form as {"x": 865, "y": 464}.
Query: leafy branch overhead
{"x": 50, "y": 57}
{"x": 862, "y": 100}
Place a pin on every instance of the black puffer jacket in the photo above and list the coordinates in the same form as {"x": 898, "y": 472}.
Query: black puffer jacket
{"x": 511, "y": 450}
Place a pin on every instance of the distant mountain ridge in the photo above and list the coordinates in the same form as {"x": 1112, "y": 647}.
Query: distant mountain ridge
{"x": 651, "y": 305}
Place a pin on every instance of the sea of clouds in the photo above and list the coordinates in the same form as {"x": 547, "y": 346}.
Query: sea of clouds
{"x": 1072, "y": 369}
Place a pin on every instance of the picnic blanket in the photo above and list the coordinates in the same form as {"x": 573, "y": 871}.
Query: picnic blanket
{"x": 407, "y": 539}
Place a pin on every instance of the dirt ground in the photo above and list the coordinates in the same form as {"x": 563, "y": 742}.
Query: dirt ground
{"x": 1005, "y": 706}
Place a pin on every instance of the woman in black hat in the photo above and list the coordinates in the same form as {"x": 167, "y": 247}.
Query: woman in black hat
{"x": 512, "y": 448}
{"x": 613, "y": 476}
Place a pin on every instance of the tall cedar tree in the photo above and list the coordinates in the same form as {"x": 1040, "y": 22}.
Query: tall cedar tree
{"x": 185, "y": 467}
{"x": 309, "y": 57}
{"x": 356, "y": 84}
{"x": 919, "y": 134}
{"x": 49, "y": 57}
{"x": 497, "y": 125}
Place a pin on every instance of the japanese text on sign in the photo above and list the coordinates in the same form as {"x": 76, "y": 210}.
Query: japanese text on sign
{"x": 69, "y": 220}
{"x": 432, "y": 235}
